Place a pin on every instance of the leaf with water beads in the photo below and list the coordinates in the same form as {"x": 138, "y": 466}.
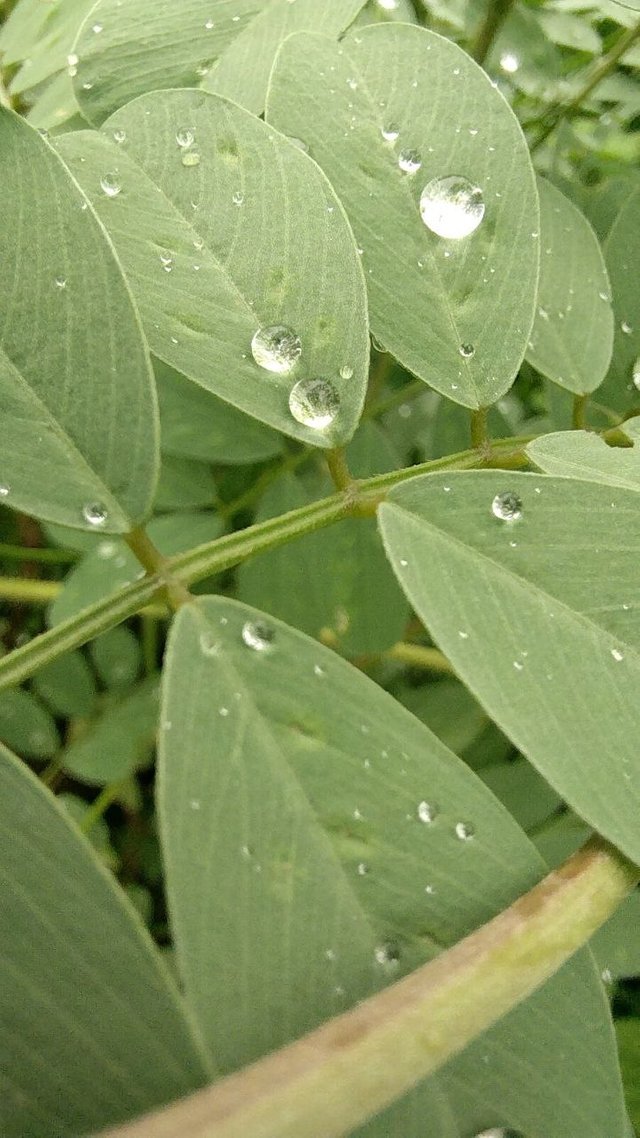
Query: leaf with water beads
{"x": 78, "y": 421}
{"x": 244, "y": 267}
{"x": 431, "y": 166}
{"x": 300, "y": 790}
{"x": 545, "y": 588}
{"x": 572, "y": 336}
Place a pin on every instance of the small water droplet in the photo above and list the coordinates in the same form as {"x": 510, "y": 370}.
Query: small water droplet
{"x": 403, "y": 562}
{"x": 110, "y": 185}
{"x": 509, "y": 62}
{"x": 363, "y": 869}
{"x": 166, "y": 260}
{"x": 626, "y": 328}
{"x": 467, "y": 351}
{"x": 318, "y": 670}
{"x": 352, "y": 84}
{"x": 507, "y": 506}
{"x": 61, "y": 282}
{"x": 119, "y": 136}
{"x": 464, "y": 831}
{"x": 237, "y": 197}
{"x": 208, "y": 644}
{"x": 314, "y": 403}
{"x": 427, "y": 812}
{"x": 390, "y": 132}
{"x": 617, "y": 654}
{"x": 209, "y": 24}
{"x": 195, "y": 804}
{"x": 5, "y": 491}
{"x": 463, "y": 635}
{"x": 451, "y": 207}
{"x": 635, "y": 374}
{"x": 191, "y": 158}
{"x": 607, "y": 976}
{"x": 387, "y": 954}
{"x": 409, "y": 161}
{"x": 96, "y": 29}
{"x": 430, "y": 890}
{"x": 276, "y": 348}
{"x": 258, "y": 635}
{"x": 223, "y": 712}
{"x": 346, "y": 372}
{"x": 185, "y": 138}
{"x": 72, "y": 65}
{"x": 95, "y": 514}
{"x": 499, "y": 1131}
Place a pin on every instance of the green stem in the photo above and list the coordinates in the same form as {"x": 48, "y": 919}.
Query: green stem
{"x": 28, "y": 591}
{"x": 150, "y": 644}
{"x": 156, "y": 565}
{"x": 339, "y": 469}
{"x": 381, "y": 367}
{"x": 479, "y": 430}
{"x": 42, "y": 556}
{"x": 496, "y": 14}
{"x": 593, "y": 75}
{"x": 333, "y": 1080}
{"x": 579, "y": 412}
{"x": 421, "y": 657}
{"x": 105, "y": 799}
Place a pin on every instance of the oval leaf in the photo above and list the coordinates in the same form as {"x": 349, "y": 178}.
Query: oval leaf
{"x": 447, "y": 309}
{"x": 300, "y": 794}
{"x": 78, "y": 420}
{"x": 622, "y": 251}
{"x": 539, "y": 618}
{"x": 247, "y": 235}
{"x": 583, "y": 455}
{"x": 93, "y": 1031}
{"x": 572, "y": 336}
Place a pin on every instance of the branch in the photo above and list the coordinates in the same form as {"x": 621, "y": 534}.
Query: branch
{"x": 496, "y": 14}
{"x": 334, "y": 1079}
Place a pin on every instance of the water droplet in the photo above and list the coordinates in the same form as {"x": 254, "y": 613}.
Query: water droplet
{"x": 194, "y": 804}
{"x": 409, "y": 161}
{"x": 363, "y": 869}
{"x": 185, "y": 138}
{"x": 106, "y": 550}
{"x": 352, "y": 84}
{"x": 110, "y": 185}
{"x": 617, "y": 654}
{"x": 5, "y": 491}
{"x": 96, "y": 29}
{"x": 119, "y": 136}
{"x": 61, "y": 282}
{"x": 331, "y": 954}
{"x": 507, "y": 506}
{"x": 388, "y": 5}
{"x": 403, "y": 562}
{"x": 191, "y": 158}
{"x": 166, "y": 260}
{"x": 276, "y": 348}
{"x": 463, "y": 635}
{"x": 314, "y": 403}
{"x": 209, "y": 24}
{"x": 87, "y": 86}
{"x": 499, "y": 1131}
{"x": 318, "y": 670}
{"x": 208, "y": 644}
{"x": 223, "y": 712}
{"x": 451, "y": 207}
{"x": 237, "y": 197}
{"x": 346, "y": 372}
{"x": 387, "y": 954}
{"x": 95, "y": 514}
{"x": 427, "y": 812}
{"x": 607, "y": 976}
{"x": 258, "y": 635}
{"x": 467, "y": 351}
{"x": 464, "y": 831}
{"x": 430, "y": 890}
{"x": 390, "y": 132}
{"x": 626, "y": 328}
{"x": 72, "y": 65}
{"x": 509, "y": 62}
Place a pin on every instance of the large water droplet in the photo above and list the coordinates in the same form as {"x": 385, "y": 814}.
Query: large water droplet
{"x": 314, "y": 403}
{"x": 635, "y": 374}
{"x": 427, "y": 812}
{"x": 464, "y": 831}
{"x": 276, "y": 348}
{"x": 184, "y": 138}
{"x": 110, "y": 185}
{"x": 258, "y": 635}
{"x": 191, "y": 158}
{"x": 507, "y": 506}
{"x": 451, "y": 207}
{"x": 409, "y": 161}
{"x": 95, "y": 513}
{"x": 467, "y": 351}
{"x": 390, "y": 132}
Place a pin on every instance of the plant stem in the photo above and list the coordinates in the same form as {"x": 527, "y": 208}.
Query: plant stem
{"x": 28, "y": 591}
{"x": 496, "y": 14}
{"x": 421, "y": 657}
{"x": 104, "y": 800}
{"x": 579, "y": 412}
{"x": 38, "y": 554}
{"x": 381, "y": 368}
{"x": 479, "y": 432}
{"x": 155, "y": 564}
{"x": 337, "y": 1077}
{"x": 592, "y": 76}
{"x": 339, "y": 469}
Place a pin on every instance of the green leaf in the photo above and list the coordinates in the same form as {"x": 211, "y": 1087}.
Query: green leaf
{"x": 583, "y": 455}
{"x": 93, "y": 1031}
{"x": 99, "y": 835}
{"x": 40, "y": 36}
{"x": 116, "y": 657}
{"x": 112, "y": 565}
{"x": 195, "y": 424}
{"x": 447, "y": 709}
{"x": 537, "y": 616}
{"x": 26, "y": 726}
{"x": 184, "y": 484}
{"x": 616, "y": 946}
{"x": 119, "y": 741}
{"x": 67, "y": 685}
{"x": 78, "y": 422}
{"x": 336, "y": 579}
{"x": 430, "y": 298}
{"x": 560, "y": 837}
{"x": 298, "y": 869}
{"x": 242, "y": 74}
{"x": 250, "y": 238}
{"x": 572, "y": 337}
{"x": 524, "y": 793}
{"x": 628, "y": 1033}
{"x": 622, "y": 252}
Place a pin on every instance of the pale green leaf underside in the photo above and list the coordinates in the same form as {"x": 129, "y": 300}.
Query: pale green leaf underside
{"x": 572, "y": 336}
{"x": 40, "y": 36}
{"x": 252, "y": 236}
{"x": 92, "y": 1029}
{"x": 622, "y": 253}
{"x": 242, "y": 73}
{"x": 540, "y": 617}
{"x": 583, "y": 455}
{"x": 428, "y": 296}
{"x": 289, "y": 789}
{"x": 78, "y": 420}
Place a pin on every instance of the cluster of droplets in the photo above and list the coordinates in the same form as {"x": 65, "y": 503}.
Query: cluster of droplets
{"x": 313, "y": 402}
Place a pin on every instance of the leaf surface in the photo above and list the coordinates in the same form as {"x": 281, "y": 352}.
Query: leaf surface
{"x": 78, "y": 419}
{"x": 540, "y": 619}
{"x": 622, "y": 253}
{"x": 250, "y": 237}
{"x": 446, "y": 308}
{"x": 301, "y": 876}
{"x": 572, "y": 336}
{"x": 93, "y": 1031}
{"x": 581, "y": 454}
